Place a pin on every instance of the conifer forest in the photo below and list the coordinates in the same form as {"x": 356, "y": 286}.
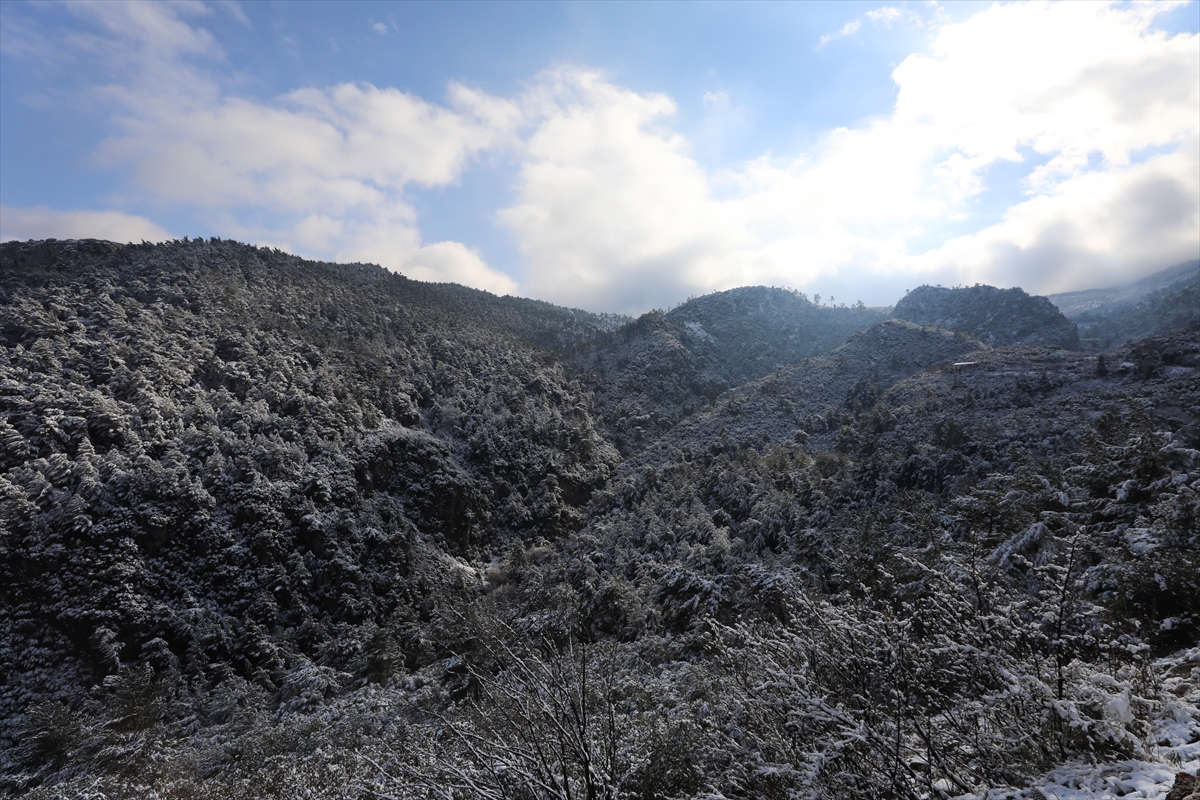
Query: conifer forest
{"x": 276, "y": 528}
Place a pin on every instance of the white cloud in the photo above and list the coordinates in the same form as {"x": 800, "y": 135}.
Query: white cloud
{"x": 1089, "y": 232}
{"x": 848, "y": 29}
{"x": 611, "y": 209}
{"x": 889, "y": 15}
{"x": 379, "y": 28}
{"x": 319, "y": 171}
{"x": 885, "y": 16}
{"x": 46, "y": 223}
{"x": 613, "y": 212}
{"x": 1068, "y": 80}
{"x": 397, "y": 244}
{"x": 337, "y": 149}
{"x": 456, "y": 263}
{"x": 235, "y": 10}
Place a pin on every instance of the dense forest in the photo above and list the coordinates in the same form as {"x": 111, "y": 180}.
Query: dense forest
{"x": 278, "y": 528}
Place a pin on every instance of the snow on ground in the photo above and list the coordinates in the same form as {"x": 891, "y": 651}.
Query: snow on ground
{"x": 1174, "y": 747}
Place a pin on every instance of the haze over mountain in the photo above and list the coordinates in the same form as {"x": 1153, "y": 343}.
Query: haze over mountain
{"x": 1161, "y": 302}
{"x": 276, "y": 527}
{"x": 1171, "y": 279}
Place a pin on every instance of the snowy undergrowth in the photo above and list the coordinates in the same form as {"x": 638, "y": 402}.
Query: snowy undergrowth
{"x": 1174, "y": 746}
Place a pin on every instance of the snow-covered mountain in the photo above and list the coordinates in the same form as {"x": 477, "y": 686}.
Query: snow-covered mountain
{"x": 666, "y": 366}
{"x": 1165, "y": 301}
{"x": 997, "y": 316}
{"x": 1101, "y": 301}
{"x": 271, "y": 527}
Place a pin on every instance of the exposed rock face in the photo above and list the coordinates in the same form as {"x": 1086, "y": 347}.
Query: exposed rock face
{"x": 999, "y": 317}
{"x": 1186, "y": 787}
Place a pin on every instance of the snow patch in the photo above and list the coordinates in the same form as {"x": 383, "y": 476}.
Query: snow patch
{"x": 698, "y": 330}
{"x": 1176, "y": 748}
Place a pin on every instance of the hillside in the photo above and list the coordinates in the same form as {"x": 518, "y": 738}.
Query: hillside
{"x": 997, "y": 316}
{"x": 278, "y": 528}
{"x": 1102, "y": 301}
{"x": 1156, "y": 314}
{"x": 254, "y": 454}
{"x": 809, "y": 401}
{"x": 663, "y": 367}
{"x": 1165, "y": 301}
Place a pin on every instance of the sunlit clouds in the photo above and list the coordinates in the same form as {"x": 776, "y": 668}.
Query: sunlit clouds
{"x": 47, "y": 223}
{"x": 320, "y": 171}
{"x": 610, "y": 199}
{"x": 1052, "y": 146}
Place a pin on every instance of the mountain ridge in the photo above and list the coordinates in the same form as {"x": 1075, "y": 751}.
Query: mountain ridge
{"x": 663, "y": 367}
{"x": 1082, "y": 301}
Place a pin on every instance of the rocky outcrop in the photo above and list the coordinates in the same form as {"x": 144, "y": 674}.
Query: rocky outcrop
{"x": 1187, "y": 787}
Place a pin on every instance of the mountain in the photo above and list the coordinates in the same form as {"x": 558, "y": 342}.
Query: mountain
{"x": 810, "y": 401}
{"x": 663, "y": 367}
{"x": 1165, "y": 301}
{"x": 279, "y": 528}
{"x": 1171, "y": 279}
{"x": 997, "y": 316}
{"x": 1157, "y": 314}
{"x": 212, "y": 450}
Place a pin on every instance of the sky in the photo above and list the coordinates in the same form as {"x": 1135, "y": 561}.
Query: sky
{"x": 620, "y": 156}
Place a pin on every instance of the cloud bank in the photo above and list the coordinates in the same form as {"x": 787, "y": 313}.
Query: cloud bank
{"x": 1096, "y": 113}
{"x": 612, "y": 207}
{"x": 319, "y": 171}
{"x": 47, "y": 223}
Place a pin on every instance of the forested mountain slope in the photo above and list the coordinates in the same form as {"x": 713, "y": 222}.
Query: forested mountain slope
{"x": 665, "y": 366}
{"x": 221, "y": 457}
{"x": 976, "y": 575}
{"x": 1162, "y": 302}
{"x": 1160, "y": 312}
{"x": 997, "y": 316}
{"x": 275, "y": 528}
{"x": 813, "y": 399}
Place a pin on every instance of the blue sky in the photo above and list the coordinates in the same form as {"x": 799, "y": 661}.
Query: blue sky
{"x": 619, "y": 156}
